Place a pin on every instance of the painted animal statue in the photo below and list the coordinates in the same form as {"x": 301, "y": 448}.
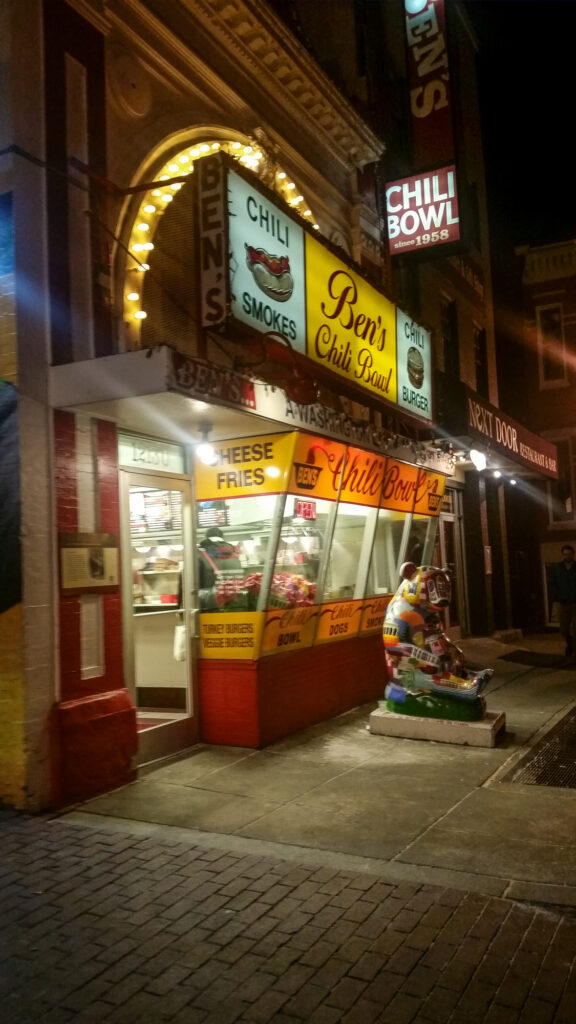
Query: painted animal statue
{"x": 427, "y": 672}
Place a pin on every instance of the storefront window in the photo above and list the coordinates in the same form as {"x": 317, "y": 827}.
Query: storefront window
{"x": 421, "y": 537}
{"x": 234, "y": 538}
{"x": 383, "y": 573}
{"x": 349, "y": 553}
{"x": 301, "y": 543}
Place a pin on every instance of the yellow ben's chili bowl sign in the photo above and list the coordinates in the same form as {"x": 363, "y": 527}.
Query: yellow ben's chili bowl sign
{"x": 351, "y": 328}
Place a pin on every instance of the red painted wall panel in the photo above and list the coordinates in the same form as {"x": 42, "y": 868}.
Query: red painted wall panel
{"x": 252, "y": 704}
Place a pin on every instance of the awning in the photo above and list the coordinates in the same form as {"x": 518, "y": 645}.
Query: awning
{"x": 161, "y": 392}
{"x": 472, "y": 423}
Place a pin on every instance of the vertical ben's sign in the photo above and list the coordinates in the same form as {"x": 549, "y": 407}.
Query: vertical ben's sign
{"x": 422, "y": 209}
{"x": 211, "y": 184}
{"x": 429, "y": 83}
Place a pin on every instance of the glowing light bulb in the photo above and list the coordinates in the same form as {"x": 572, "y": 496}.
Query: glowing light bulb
{"x": 133, "y": 296}
{"x": 140, "y": 315}
{"x": 478, "y": 459}
{"x": 150, "y": 208}
{"x": 143, "y": 227}
{"x": 206, "y": 453}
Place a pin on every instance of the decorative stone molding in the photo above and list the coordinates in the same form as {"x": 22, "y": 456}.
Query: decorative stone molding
{"x": 548, "y": 262}
{"x": 265, "y": 51}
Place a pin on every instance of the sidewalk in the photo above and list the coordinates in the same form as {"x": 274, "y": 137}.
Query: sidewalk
{"x": 334, "y": 878}
{"x": 103, "y": 925}
{"x": 412, "y": 811}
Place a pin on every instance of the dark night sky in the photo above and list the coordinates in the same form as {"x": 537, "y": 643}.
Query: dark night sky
{"x": 527, "y": 71}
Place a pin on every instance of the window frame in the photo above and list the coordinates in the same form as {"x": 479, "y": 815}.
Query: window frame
{"x": 551, "y": 351}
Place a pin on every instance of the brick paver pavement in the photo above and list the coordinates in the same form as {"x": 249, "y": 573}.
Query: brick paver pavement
{"x": 101, "y": 925}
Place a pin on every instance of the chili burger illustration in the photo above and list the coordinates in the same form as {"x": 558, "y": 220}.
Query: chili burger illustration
{"x": 271, "y": 273}
{"x": 415, "y": 367}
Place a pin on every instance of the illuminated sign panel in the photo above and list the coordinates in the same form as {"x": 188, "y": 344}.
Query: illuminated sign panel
{"x": 429, "y": 82}
{"x": 266, "y": 264}
{"x": 414, "y": 359}
{"x": 508, "y": 437}
{"x": 260, "y": 268}
{"x": 422, "y": 211}
{"x": 351, "y": 326}
{"x": 255, "y": 465}
{"x": 429, "y": 493}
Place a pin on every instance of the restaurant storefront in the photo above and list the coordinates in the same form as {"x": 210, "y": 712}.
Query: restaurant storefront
{"x": 298, "y": 514}
{"x": 275, "y": 553}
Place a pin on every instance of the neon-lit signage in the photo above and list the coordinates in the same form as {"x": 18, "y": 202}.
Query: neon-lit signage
{"x": 423, "y": 210}
{"x": 306, "y": 509}
{"x": 266, "y": 264}
{"x": 429, "y": 82}
{"x": 413, "y": 351}
{"x": 261, "y": 269}
{"x": 508, "y": 437}
{"x": 351, "y": 326}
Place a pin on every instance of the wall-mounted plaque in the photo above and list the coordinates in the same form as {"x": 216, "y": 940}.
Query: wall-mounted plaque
{"x": 88, "y": 561}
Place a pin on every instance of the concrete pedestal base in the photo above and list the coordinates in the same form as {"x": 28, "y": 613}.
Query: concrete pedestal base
{"x": 471, "y": 734}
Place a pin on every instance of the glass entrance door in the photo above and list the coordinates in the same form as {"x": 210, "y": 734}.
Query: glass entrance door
{"x": 157, "y": 544}
{"x": 449, "y": 552}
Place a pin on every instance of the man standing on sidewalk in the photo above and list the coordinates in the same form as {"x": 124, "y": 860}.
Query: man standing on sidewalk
{"x": 563, "y": 591}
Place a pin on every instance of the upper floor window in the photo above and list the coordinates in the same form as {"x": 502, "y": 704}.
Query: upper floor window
{"x": 561, "y": 491}
{"x": 551, "y": 351}
{"x": 449, "y": 328}
{"x": 481, "y": 361}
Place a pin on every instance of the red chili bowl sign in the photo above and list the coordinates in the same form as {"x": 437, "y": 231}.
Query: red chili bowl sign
{"x": 422, "y": 210}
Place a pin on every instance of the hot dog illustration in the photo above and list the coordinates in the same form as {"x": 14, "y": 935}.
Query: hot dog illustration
{"x": 271, "y": 273}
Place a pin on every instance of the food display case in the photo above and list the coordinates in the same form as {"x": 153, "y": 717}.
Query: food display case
{"x": 321, "y": 524}
{"x": 300, "y": 542}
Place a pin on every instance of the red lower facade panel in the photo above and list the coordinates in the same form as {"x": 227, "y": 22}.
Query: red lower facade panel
{"x": 97, "y": 740}
{"x": 252, "y": 704}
